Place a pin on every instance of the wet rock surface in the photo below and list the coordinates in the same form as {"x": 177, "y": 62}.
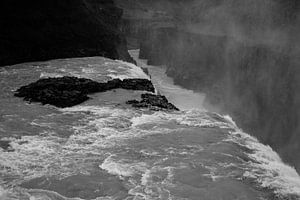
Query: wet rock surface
{"x": 70, "y": 91}
{"x": 153, "y": 102}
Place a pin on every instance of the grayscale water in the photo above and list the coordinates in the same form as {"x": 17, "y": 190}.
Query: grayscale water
{"x": 184, "y": 99}
{"x": 104, "y": 149}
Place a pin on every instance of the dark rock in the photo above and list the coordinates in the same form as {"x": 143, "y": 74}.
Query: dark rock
{"x": 69, "y": 91}
{"x": 5, "y": 145}
{"x": 145, "y": 70}
{"x": 132, "y": 102}
{"x": 137, "y": 84}
{"x": 41, "y": 30}
{"x": 154, "y": 102}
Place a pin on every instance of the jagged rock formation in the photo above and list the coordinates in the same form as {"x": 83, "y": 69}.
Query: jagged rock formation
{"x": 70, "y": 91}
{"x": 244, "y": 55}
{"x": 40, "y": 30}
{"x": 153, "y": 102}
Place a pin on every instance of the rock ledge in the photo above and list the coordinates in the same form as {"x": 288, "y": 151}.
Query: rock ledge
{"x": 70, "y": 91}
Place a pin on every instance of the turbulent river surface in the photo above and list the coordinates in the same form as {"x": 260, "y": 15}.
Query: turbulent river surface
{"x": 104, "y": 149}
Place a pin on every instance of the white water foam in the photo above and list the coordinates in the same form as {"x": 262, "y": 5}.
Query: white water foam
{"x": 40, "y": 194}
{"x": 105, "y": 127}
{"x": 132, "y": 71}
{"x": 122, "y": 168}
{"x": 95, "y": 68}
{"x": 50, "y": 75}
{"x": 196, "y": 118}
{"x": 269, "y": 170}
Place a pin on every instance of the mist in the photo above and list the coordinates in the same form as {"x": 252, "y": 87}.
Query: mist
{"x": 244, "y": 54}
{"x": 150, "y": 99}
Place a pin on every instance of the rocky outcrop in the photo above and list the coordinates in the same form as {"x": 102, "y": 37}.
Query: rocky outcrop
{"x": 244, "y": 56}
{"x": 69, "y": 91}
{"x": 153, "y": 102}
{"x": 40, "y": 30}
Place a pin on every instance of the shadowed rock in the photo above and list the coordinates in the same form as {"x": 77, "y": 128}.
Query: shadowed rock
{"x": 41, "y": 30}
{"x": 154, "y": 102}
{"x": 69, "y": 91}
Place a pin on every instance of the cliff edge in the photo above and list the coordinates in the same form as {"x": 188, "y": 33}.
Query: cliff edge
{"x": 40, "y": 30}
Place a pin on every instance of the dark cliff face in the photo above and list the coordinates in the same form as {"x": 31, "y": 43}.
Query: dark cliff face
{"x": 244, "y": 55}
{"x": 39, "y": 30}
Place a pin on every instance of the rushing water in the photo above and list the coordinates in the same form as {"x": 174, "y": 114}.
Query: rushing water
{"x": 104, "y": 149}
{"x": 184, "y": 99}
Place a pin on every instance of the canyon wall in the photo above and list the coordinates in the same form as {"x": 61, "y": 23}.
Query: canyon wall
{"x": 35, "y": 30}
{"x": 243, "y": 54}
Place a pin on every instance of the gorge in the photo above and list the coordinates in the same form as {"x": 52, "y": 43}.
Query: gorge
{"x": 149, "y": 100}
{"x": 243, "y": 54}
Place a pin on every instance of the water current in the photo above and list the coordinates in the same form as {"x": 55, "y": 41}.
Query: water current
{"x": 104, "y": 149}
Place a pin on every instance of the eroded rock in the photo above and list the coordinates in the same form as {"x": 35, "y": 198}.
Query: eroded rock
{"x": 153, "y": 102}
{"x": 69, "y": 91}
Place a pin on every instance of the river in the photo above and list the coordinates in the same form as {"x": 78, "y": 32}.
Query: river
{"x": 104, "y": 149}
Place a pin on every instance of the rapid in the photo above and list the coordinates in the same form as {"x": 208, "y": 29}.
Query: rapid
{"x": 105, "y": 149}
